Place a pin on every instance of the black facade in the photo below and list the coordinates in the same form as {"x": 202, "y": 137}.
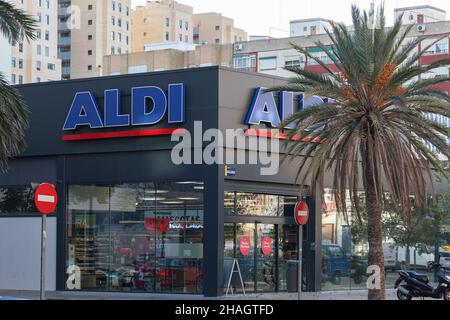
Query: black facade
{"x": 217, "y": 97}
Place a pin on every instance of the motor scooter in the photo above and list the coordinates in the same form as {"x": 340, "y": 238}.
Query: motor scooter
{"x": 417, "y": 285}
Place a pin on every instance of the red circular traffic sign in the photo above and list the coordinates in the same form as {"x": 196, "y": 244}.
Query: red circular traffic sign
{"x": 244, "y": 245}
{"x": 46, "y": 198}
{"x": 301, "y": 213}
{"x": 266, "y": 245}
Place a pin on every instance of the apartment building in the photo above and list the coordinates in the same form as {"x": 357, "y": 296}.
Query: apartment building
{"x": 160, "y": 22}
{"x": 214, "y": 28}
{"x": 37, "y": 60}
{"x": 5, "y": 61}
{"x": 89, "y": 30}
{"x": 169, "y": 58}
{"x": 308, "y": 27}
{"x": 420, "y": 14}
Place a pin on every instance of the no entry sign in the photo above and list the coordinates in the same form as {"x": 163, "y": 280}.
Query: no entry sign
{"x": 46, "y": 198}
{"x": 301, "y": 213}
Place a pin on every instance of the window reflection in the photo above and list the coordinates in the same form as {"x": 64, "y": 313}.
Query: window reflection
{"x": 255, "y": 204}
{"x": 137, "y": 237}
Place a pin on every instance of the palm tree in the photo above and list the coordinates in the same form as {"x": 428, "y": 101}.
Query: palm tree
{"x": 15, "y": 26}
{"x": 375, "y": 125}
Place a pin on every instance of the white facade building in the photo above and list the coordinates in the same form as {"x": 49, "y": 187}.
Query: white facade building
{"x": 5, "y": 61}
{"x": 420, "y": 14}
{"x": 308, "y": 27}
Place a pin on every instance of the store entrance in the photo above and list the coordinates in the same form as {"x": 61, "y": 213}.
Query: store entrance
{"x": 262, "y": 251}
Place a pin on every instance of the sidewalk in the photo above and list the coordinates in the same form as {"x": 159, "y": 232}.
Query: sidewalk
{"x": 66, "y": 295}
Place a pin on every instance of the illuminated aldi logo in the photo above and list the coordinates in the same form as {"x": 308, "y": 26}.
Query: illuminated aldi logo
{"x": 84, "y": 112}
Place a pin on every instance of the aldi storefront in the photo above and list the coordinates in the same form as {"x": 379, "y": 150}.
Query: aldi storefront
{"x": 142, "y": 208}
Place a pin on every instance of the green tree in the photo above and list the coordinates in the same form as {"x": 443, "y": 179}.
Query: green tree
{"x": 15, "y": 26}
{"x": 374, "y": 125}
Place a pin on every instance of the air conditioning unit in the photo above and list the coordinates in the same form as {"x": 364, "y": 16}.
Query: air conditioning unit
{"x": 238, "y": 46}
{"x": 421, "y": 27}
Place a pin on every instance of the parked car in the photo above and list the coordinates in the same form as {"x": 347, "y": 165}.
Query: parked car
{"x": 445, "y": 260}
{"x": 335, "y": 263}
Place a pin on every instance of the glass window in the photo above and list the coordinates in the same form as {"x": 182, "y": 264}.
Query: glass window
{"x": 253, "y": 204}
{"x": 269, "y": 63}
{"x": 17, "y": 200}
{"x": 137, "y": 237}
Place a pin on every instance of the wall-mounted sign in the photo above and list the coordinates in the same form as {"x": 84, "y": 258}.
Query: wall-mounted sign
{"x": 266, "y": 245}
{"x": 263, "y": 108}
{"x": 230, "y": 170}
{"x": 244, "y": 245}
{"x": 149, "y": 105}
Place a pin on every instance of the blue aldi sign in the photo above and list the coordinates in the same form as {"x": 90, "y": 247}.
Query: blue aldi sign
{"x": 84, "y": 110}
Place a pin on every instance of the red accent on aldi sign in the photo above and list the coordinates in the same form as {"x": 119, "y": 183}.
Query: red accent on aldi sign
{"x": 46, "y": 198}
{"x": 301, "y": 213}
{"x": 266, "y": 246}
{"x": 244, "y": 245}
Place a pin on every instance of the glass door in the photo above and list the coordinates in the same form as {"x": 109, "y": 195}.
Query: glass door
{"x": 245, "y": 253}
{"x": 265, "y": 249}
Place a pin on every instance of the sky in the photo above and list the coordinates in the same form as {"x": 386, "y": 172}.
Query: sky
{"x": 271, "y": 17}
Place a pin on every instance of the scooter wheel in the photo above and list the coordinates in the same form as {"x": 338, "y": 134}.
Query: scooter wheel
{"x": 402, "y": 296}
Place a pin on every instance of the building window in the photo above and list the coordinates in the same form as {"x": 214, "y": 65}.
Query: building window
{"x": 18, "y": 199}
{"x": 180, "y": 36}
{"x": 47, "y": 19}
{"x": 126, "y": 40}
{"x": 267, "y": 63}
{"x": 119, "y": 22}
{"x": 51, "y": 66}
{"x": 13, "y": 62}
{"x": 90, "y": 7}
{"x": 20, "y": 79}
{"x": 113, "y": 5}
{"x": 256, "y": 204}
{"x": 186, "y": 39}
{"x": 119, "y": 37}
{"x": 167, "y": 36}
{"x": 154, "y": 227}
{"x": 47, "y": 51}
{"x": 113, "y": 20}
{"x": 89, "y": 67}
{"x": 90, "y": 22}
{"x": 89, "y": 52}
{"x": 38, "y": 34}
{"x": 38, "y": 79}
{"x": 119, "y": 6}
{"x": 90, "y": 37}
{"x": 186, "y": 25}
{"x": 38, "y": 65}
{"x": 113, "y": 50}
{"x": 113, "y": 35}
{"x": 13, "y": 78}
{"x": 181, "y": 24}
{"x": 20, "y": 47}
{"x": 47, "y": 35}
{"x": 217, "y": 40}
{"x": 128, "y": 25}
{"x": 127, "y": 11}
{"x": 20, "y": 63}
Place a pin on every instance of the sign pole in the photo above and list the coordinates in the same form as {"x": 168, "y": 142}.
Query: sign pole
{"x": 43, "y": 247}
{"x": 300, "y": 252}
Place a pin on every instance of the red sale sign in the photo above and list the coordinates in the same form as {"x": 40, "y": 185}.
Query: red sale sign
{"x": 244, "y": 245}
{"x": 266, "y": 246}
{"x": 159, "y": 225}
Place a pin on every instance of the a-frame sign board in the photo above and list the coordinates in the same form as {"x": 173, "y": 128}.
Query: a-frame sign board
{"x": 233, "y": 275}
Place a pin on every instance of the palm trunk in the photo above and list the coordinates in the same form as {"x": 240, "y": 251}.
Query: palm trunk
{"x": 375, "y": 235}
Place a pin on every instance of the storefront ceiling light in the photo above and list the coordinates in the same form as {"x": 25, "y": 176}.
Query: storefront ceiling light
{"x": 156, "y": 191}
{"x": 188, "y": 198}
{"x": 190, "y": 182}
{"x": 172, "y": 202}
{"x": 152, "y": 198}
{"x": 199, "y": 188}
